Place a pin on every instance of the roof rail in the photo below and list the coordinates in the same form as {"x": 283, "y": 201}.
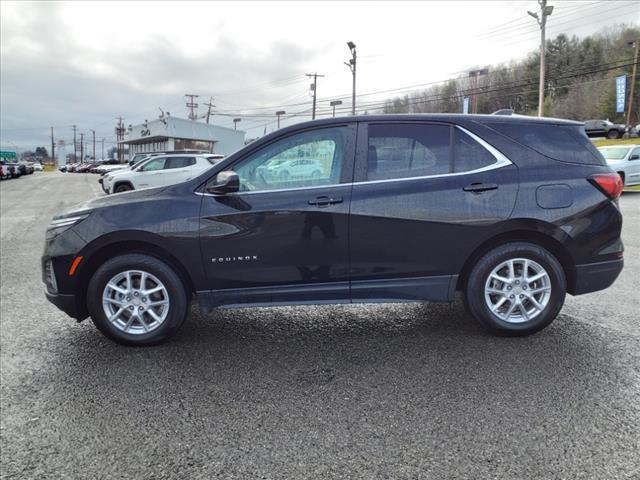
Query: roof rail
{"x": 504, "y": 111}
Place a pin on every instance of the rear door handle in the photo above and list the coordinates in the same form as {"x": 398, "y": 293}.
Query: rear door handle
{"x": 323, "y": 201}
{"x": 480, "y": 187}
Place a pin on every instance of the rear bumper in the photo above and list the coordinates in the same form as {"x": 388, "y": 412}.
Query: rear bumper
{"x": 66, "y": 303}
{"x": 596, "y": 276}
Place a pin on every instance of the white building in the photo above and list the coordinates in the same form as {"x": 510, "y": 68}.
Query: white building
{"x": 173, "y": 133}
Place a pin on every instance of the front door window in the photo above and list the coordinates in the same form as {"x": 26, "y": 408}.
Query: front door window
{"x": 308, "y": 159}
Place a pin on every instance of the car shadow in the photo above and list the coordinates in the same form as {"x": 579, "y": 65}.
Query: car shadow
{"x": 284, "y": 346}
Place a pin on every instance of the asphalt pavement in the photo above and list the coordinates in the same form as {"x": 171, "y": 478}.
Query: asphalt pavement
{"x": 357, "y": 391}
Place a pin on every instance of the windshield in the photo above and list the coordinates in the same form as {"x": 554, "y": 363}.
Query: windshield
{"x": 614, "y": 153}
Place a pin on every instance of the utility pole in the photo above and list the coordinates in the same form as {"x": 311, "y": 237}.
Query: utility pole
{"x": 94, "y": 144}
{"x": 314, "y": 89}
{"x": 235, "y": 122}
{"x": 81, "y": 148}
{"x": 53, "y": 147}
{"x": 210, "y": 105}
{"x": 192, "y": 105}
{"x": 352, "y": 66}
{"x": 633, "y": 80}
{"x": 278, "y": 113}
{"x": 120, "y": 137}
{"x": 545, "y": 11}
{"x": 75, "y": 155}
{"x": 474, "y": 75}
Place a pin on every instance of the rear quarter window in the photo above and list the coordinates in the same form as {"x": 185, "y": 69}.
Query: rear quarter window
{"x": 558, "y": 142}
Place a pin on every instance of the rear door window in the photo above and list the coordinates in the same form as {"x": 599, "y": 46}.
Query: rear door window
{"x": 408, "y": 150}
{"x": 180, "y": 162}
{"x": 566, "y": 143}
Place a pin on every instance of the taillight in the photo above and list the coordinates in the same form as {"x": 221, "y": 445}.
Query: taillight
{"x": 608, "y": 183}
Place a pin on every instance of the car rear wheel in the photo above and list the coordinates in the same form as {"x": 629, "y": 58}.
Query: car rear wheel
{"x": 613, "y": 134}
{"x": 137, "y": 300}
{"x": 516, "y": 289}
{"x": 124, "y": 187}
{"x": 622, "y": 177}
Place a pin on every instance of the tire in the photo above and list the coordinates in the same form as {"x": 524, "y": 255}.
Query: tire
{"x": 613, "y": 134}
{"x": 123, "y": 329}
{"x": 478, "y": 298}
{"x": 123, "y": 187}
{"x": 622, "y": 177}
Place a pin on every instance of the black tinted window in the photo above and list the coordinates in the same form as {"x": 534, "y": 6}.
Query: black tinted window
{"x": 468, "y": 154}
{"x": 406, "y": 150}
{"x": 564, "y": 143}
{"x": 180, "y": 162}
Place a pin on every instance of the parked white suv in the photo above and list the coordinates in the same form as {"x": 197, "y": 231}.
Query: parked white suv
{"x": 624, "y": 159}
{"x": 158, "y": 171}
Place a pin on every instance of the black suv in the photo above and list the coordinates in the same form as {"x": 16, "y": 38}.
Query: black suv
{"x": 513, "y": 211}
{"x": 604, "y": 128}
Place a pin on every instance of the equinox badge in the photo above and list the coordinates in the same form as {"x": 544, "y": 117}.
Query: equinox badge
{"x": 245, "y": 258}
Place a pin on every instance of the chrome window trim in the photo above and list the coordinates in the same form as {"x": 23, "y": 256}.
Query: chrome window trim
{"x": 501, "y": 161}
{"x": 277, "y": 190}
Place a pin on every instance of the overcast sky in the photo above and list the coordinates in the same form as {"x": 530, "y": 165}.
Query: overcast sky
{"x": 86, "y": 63}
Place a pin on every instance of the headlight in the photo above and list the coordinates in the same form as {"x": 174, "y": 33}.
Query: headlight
{"x": 60, "y": 225}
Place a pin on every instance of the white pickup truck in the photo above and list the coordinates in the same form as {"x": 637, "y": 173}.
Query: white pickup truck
{"x": 159, "y": 171}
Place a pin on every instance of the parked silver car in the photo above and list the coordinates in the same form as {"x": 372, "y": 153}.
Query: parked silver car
{"x": 624, "y": 159}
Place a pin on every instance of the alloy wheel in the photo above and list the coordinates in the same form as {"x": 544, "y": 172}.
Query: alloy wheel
{"x": 135, "y": 302}
{"x": 517, "y": 290}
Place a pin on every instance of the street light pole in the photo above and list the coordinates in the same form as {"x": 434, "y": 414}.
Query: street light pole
{"x": 352, "y": 66}
{"x": 282, "y": 112}
{"x": 545, "y": 11}
{"x": 333, "y": 104}
{"x": 235, "y": 122}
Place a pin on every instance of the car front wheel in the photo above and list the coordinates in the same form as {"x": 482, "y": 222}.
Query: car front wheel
{"x": 125, "y": 187}
{"x": 136, "y": 299}
{"x": 516, "y": 289}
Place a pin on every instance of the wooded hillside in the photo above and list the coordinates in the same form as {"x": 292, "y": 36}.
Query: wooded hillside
{"x": 580, "y": 81}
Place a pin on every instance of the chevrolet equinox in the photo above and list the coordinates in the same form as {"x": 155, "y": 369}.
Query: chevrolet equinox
{"x": 512, "y": 211}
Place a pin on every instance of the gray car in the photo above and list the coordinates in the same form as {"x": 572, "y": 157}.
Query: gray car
{"x": 624, "y": 159}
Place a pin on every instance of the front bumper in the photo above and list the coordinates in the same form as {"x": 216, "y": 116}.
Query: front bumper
{"x": 596, "y": 276}
{"x": 66, "y": 303}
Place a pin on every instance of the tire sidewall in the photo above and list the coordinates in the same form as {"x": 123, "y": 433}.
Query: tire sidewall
{"x": 178, "y": 307}
{"x": 475, "y": 296}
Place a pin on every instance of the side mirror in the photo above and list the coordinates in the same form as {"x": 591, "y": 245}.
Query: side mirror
{"x": 634, "y": 157}
{"x": 224, "y": 182}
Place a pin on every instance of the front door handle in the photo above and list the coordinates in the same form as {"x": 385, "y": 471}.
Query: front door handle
{"x": 480, "y": 187}
{"x": 323, "y": 201}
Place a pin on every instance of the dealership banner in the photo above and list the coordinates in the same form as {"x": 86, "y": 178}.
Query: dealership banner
{"x": 621, "y": 93}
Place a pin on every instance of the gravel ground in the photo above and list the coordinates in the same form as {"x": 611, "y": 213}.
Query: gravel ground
{"x": 369, "y": 391}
